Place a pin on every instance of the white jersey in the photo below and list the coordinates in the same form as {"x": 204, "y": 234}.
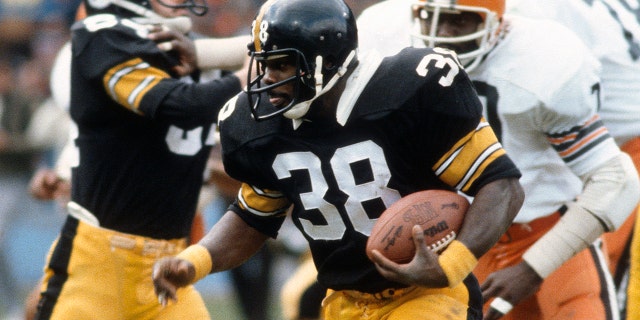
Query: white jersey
{"x": 538, "y": 84}
{"x": 385, "y": 27}
{"x": 611, "y": 28}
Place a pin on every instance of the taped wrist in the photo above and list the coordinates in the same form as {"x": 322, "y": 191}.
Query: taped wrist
{"x": 611, "y": 192}
{"x": 221, "y": 53}
{"x": 575, "y": 231}
{"x": 199, "y": 256}
{"x": 457, "y": 261}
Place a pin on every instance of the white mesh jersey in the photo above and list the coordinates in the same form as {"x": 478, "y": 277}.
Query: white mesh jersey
{"x": 385, "y": 26}
{"x": 539, "y": 89}
{"x": 611, "y": 28}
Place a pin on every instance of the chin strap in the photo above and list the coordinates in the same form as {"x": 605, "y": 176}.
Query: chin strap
{"x": 299, "y": 110}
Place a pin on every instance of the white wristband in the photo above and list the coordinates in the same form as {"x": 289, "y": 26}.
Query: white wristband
{"x": 501, "y": 305}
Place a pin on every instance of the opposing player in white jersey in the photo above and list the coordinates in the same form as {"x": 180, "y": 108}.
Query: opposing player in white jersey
{"x": 540, "y": 88}
{"x": 611, "y": 28}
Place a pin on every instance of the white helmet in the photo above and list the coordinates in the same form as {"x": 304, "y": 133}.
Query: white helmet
{"x": 426, "y": 14}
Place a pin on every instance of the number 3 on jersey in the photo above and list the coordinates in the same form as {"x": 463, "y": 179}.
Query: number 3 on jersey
{"x": 340, "y": 164}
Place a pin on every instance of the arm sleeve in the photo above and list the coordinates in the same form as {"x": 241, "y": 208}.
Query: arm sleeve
{"x": 266, "y": 225}
{"x": 610, "y": 194}
{"x": 174, "y": 99}
{"x": 263, "y": 209}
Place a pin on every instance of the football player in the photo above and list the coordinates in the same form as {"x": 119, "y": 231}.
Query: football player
{"x": 144, "y": 136}
{"x": 611, "y": 29}
{"x": 301, "y": 295}
{"x": 339, "y": 139}
{"x": 541, "y": 90}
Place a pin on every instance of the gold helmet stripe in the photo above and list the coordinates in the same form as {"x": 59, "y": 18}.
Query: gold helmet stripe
{"x": 258, "y": 22}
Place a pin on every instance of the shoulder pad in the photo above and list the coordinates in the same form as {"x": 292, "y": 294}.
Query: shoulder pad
{"x": 406, "y": 72}
{"x": 85, "y": 29}
{"x": 108, "y": 40}
{"x": 237, "y": 126}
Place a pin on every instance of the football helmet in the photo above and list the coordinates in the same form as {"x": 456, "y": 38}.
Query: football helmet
{"x": 321, "y": 38}
{"x": 140, "y": 8}
{"x": 427, "y": 13}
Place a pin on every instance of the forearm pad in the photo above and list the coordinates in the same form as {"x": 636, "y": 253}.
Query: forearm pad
{"x": 612, "y": 191}
{"x": 575, "y": 231}
{"x": 221, "y": 53}
{"x": 609, "y": 195}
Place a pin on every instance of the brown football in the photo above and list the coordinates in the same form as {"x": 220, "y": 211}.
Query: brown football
{"x": 439, "y": 212}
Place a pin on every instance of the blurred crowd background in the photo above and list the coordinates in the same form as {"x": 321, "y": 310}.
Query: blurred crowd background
{"x": 33, "y": 129}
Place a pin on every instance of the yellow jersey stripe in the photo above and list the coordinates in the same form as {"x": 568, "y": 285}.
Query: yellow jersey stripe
{"x": 128, "y": 82}
{"x": 260, "y": 202}
{"x": 453, "y": 152}
{"x": 487, "y": 158}
{"x": 469, "y": 157}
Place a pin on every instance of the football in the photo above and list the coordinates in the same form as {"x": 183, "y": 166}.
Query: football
{"x": 439, "y": 212}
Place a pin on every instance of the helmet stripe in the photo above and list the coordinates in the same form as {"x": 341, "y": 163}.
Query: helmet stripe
{"x": 258, "y": 22}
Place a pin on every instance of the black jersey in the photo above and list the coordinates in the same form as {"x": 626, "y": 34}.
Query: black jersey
{"x": 415, "y": 125}
{"x": 144, "y": 135}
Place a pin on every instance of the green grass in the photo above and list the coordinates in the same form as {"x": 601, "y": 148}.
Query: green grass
{"x": 226, "y": 307}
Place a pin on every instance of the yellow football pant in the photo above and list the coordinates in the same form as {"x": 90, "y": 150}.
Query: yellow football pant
{"x": 96, "y": 273}
{"x": 413, "y": 303}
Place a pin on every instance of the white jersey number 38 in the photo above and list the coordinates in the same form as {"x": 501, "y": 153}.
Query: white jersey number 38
{"x": 340, "y": 163}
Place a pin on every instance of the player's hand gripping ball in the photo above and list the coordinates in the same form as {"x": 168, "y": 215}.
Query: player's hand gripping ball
{"x": 439, "y": 212}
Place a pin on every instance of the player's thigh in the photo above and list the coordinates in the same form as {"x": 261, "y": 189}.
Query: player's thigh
{"x": 633, "y": 288}
{"x": 417, "y": 304}
{"x": 582, "y": 288}
{"x": 190, "y": 306}
{"x": 617, "y": 242}
{"x": 430, "y": 307}
{"x": 81, "y": 279}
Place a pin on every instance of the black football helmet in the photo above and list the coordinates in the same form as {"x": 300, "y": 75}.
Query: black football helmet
{"x": 140, "y": 8}
{"x": 319, "y": 35}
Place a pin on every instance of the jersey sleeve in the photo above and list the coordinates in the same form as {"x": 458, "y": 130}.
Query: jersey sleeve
{"x": 439, "y": 98}
{"x": 584, "y": 145}
{"x": 466, "y": 153}
{"x": 182, "y": 101}
{"x": 138, "y": 76}
{"x": 264, "y": 210}
{"x": 475, "y": 160}
{"x": 568, "y": 117}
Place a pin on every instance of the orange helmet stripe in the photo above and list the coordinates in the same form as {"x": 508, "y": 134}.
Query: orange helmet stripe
{"x": 497, "y": 6}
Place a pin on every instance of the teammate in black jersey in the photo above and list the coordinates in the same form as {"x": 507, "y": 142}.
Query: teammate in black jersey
{"x": 144, "y": 138}
{"x": 340, "y": 139}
